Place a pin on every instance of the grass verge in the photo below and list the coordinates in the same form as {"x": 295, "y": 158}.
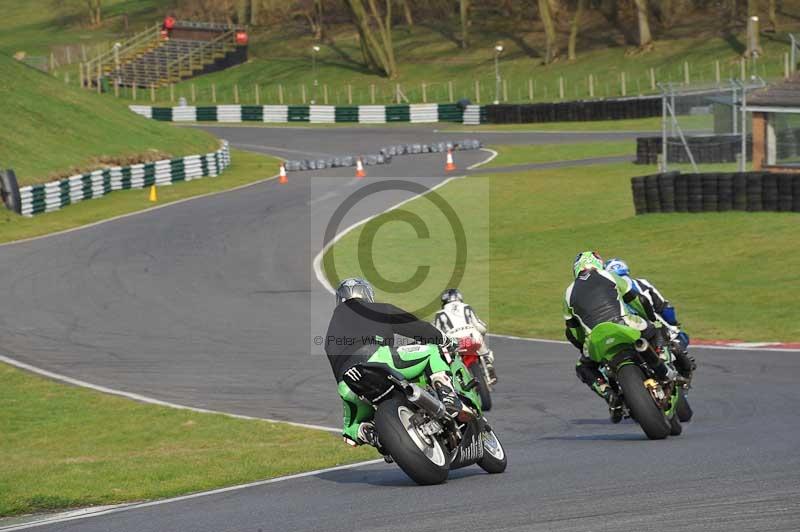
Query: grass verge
{"x": 544, "y": 153}
{"x": 66, "y": 447}
{"x": 726, "y": 273}
{"x": 246, "y": 168}
{"x": 52, "y": 130}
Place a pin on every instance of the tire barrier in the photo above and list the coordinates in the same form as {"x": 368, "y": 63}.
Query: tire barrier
{"x": 463, "y": 112}
{"x": 317, "y": 114}
{"x": 716, "y": 192}
{"x": 55, "y": 195}
{"x": 705, "y": 149}
{"x": 588, "y": 110}
{"x": 9, "y": 191}
{"x": 384, "y": 156}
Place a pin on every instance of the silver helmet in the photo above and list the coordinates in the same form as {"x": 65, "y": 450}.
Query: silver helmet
{"x": 450, "y": 295}
{"x": 354, "y": 288}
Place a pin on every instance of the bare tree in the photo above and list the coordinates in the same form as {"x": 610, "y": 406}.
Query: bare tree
{"x": 773, "y": 17}
{"x": 375, "y": 35}
{"x": 95, "y": 12}
{"x": 551, "y": 50}
{"x": 573, "y": 34}
{"x": 407, "y": 12}
{"x": 464, "y": 12}
{"x": 645, "y": 37}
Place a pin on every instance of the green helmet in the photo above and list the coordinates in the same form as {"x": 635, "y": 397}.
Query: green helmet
{"x": 588, "y": 260}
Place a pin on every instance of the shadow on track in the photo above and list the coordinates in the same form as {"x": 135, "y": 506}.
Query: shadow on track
{"x": 393, "y": 477}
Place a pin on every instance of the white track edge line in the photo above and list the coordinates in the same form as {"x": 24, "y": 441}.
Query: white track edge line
{"x": 149, "y": 400}
{"x": 485, "y": 161}
{"x": 135, "y": 506}
{"x": 136, "y": 213}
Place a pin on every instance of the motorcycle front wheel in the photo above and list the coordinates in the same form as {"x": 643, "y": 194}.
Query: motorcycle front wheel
{"x": 422, "y": 457}
{"x": 494, "y": 455}
{"x": 641, "y": 404}
{"x": 683, "y": 409}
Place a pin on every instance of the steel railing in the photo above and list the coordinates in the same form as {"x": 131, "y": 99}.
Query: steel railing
{"x": 127, "y": 50}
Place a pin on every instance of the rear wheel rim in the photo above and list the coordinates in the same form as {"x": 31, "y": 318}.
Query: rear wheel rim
{"x": 429, "y": 445}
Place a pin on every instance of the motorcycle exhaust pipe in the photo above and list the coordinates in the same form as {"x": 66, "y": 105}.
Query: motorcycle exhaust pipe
{"x": 641, "y": 345}
{"x": 424, "y": 400}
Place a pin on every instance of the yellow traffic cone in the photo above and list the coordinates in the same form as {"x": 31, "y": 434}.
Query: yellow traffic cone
{"x": 153, "y": 193}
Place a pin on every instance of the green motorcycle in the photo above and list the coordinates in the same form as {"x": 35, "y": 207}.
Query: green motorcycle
{"x": 619, "y": 350}
{"x": 413, "y": 427}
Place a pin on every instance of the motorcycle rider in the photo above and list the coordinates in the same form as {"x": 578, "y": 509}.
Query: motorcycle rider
{"x": 597, "y": 296}
{"x": 358, "y": 327}
{"x": 663, "y": 309}
{"x": 458, "y": 320}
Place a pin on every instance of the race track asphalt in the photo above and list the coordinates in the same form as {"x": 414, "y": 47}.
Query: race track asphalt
{"x": 212, "y": 303}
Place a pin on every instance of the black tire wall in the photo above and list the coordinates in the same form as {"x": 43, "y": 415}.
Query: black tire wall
{"x": 716, "y": 192}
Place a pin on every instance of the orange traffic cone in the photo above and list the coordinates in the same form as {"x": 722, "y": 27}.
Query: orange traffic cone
{"x": 360, "y": 169}
{"x": 451, "y": 165}
{"x": 283, "y": 179}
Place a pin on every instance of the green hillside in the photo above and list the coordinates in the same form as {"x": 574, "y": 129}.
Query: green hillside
{"x": 51, "y": 130}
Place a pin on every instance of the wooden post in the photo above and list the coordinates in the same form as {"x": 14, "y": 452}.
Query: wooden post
{"x": 530, "y": 90}
{"x": 280, "y": 93}
{"x": 717, "y": 76}
{"x": 591, "y": 86}
{"x": 116, "y": 87}
{"x": 786, "y": 70}
{"x": 652, "y": 79}
{"x": 623, "y": 84}
{"x": 477, "y": 91}
{"x": 349, "y": 94}
{"x": 236, "y": 93}
{"x": 80, "y": 74}
{"x": 561, "y": 87}
{"x": 743, "y": 68}
{"x": 152, "y": 92}
{"x": 258, "y": 94}
{"x": 505, "y": 90}
{"x": 303, "y": 94}
{"x": 686, "y": 79}
{"x": 194, "y": 94}
{"x": 83, "y": 52}
{"x": 214, "y": 93}
{"x": 372, "y": 93}
{"x": 424, "y": 92}
{"x": 759, "y": 140}
{"x": 172, "y": 92}
{"x": 451, "y": 97}
{"x": 325, "y": 93}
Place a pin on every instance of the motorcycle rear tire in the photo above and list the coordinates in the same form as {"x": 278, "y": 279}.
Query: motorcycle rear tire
{"x": 683, "y": 410}
{"x": 483, "y": 388}
{"x": 397, "y": 441}
{"x": 651, "y": 418}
